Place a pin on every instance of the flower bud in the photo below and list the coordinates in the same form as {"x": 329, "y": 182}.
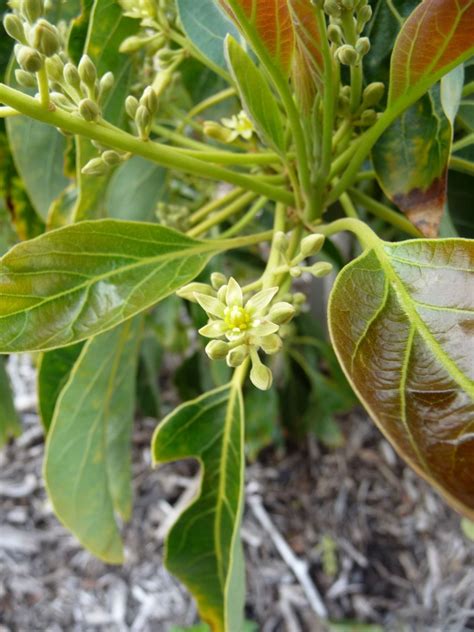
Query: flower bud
{"x": 32, "y": 9}
{"x": 149, "y": 100}
{"x": 71, "y": 77}
{"x": 45, "y": 38}
{"x": 218, "y": 280}
{"x": 280, "y": 241}
{"x": 54, "y": 68}
{"x": 321, "y": 269}
{"x": 143, "y": 121}
{"x": 217, "y": 349}
{"x": 166, "y": 56}
{"x": 368, "y": 118}
{"x": 106, "y": 84}
{"x": 14, "y": 27}
{"x": 188, "y": 291}
{"x": 133, "y": 43}
{"x": 131, "y": 106}
{"x": 363, "y": 46}
{"x": 61, "y": 101}
{"x": 296, "y": 272}
{"x": 95, "y": 167}
{"x": 29, "y": 59}
{"x": 347, "y": 55}
{"x": 222, "y": 293}
{"x": 261, "y": 376}
{"x": 335, "y": 34}
{"x": 363, "y": 16}
{"x": 236, "y": 356}
{"x": 348, "y": 4}
{"x": 89, "y": 110}
{"x": 312, "y": 244}
{"x": 111, "y": 158}
{"x": 332, "y": 8}
{"x": 25, "y": 79}
{"x": 217, "y": 132}
{"x": 346, "y": 91}
{"x": 281, "y": 313}
{"x": 87, "y": 71}
{"x": 373, "y": 94}
{"x": 271, "y": 344}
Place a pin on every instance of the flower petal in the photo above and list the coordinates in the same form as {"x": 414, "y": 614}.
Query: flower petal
{"x": 264, "y": 328}
{"x": 261, "y": 300}
{"x": 210, "y": 304}
{"x": 234, "y": 293}
{"x": 213, "y": 329}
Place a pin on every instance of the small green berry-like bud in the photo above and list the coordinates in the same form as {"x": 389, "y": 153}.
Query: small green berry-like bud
{"x": 188, "y": 291}
{"x": 236, "y": 356}
{"x": 143, "y": 121}
{"x": 95, "y": 167}
{"x": 54, "y": 67}
{"x": 61, "y": 101}
{"x": 45, "y": 38}
{"x": 29, "y": 59}
{"x": 299, "y": 299}
{"x": 89, "y": 110}
{"x": 373, "y": 94}
{"x": 347, "y": 55}
{"x": 111, "y": 157}
{"x": 149, "y": 100}
{"x": 363, "y": 16}
{"x": 296, "y": 272}
{"x": 335, "y": 34}
{"x": 312, "y": 244}
{"x": 363, "y": 46}
{"x": 348, "y": 5}
{"x": 166, "y": 56}
{"x": 281, "y": 313}
{"x": 271, "y": 344}
{"x": 131, "y": 106}
{"x": 217, "y": 132}
{"x": 71, "y": 77}
{"x": 261, "y": 376}
{"x": 87, "y": 71}
{"x": 368, "y": 118}
{"x": 133, "y": 43}
{"x": 14, "y": 27}
{"x": 346, "y": 91}
{"x": 332, "y": 8}
{"x": 321, "y": 269}
{"x": 106, "y": 84}
{"x": 218, "y": 280}
{"x": 343, "y": 105}
{"x": 32, "y": 9}
{"x": 280, "y": 241}
{"x": 217, "y": 349}
{"x": 25, "y": 79}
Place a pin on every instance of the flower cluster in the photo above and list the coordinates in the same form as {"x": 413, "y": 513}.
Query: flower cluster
{"x": 240, "y": 328}
{"x": 233, "y": 128}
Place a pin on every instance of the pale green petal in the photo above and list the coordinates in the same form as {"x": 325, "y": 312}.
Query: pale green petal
{"x": 264, "y": 328}
{"x": 213, "y": 329}
{"x": 210, "y": 304}
{"x": 261, "y": 300}
{"x": 234, "y": 293}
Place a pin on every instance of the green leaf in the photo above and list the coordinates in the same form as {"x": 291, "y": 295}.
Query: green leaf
{"x": 206, "y": 28}
{"x": 78, "y": 32}
{"x": 9, "y": 423}
{"x": 87, "y": 464}
{"x": 261, "y": 415}
{"x": 437, "y": 37}
{"x": 203, "y": 547}
{"x": 81, "y": 280}
{"x": 401, "y": 321}
{"x": 135, "y": 189}
{"x": 53, "y": 372}
{"x": 411, "y": 158}
{"x": 257, "y": 97}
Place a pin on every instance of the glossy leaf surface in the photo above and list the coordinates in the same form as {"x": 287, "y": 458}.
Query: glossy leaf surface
{"x": 78, "y": 281}
{"x": 9, "y": 422}
{"x": 257, "y": 98}
{"x": 269, "y": 21}
{"x": 87, "y": 462}
{"x": 203, "y": 547}
{"x": 437, "y": 36}
{"x": 402, "y": 320}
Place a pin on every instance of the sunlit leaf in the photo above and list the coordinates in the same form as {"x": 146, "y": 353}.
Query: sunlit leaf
{"x": 203, "y": 547}
{"x": 77, "y": 281}
{"x": 87, "y": 463}
{"x": 402, "y": 321}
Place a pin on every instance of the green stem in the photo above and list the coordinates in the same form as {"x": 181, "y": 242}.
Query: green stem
{"x": 464, "y": 142}
{"x": 395, "y": 13}
{"x": 468, "y": 89}
{"x": 223, "y": 95}
{"x": 214, "y": 204}
{"x": 43, "y": 86}
{"x": 350, "y": 32}
{"x": 6, "y": 112}
{"x": 246, "y": 219}
{"x": 461, "y": 165}
{"x": 156, "y": 152}
{"x": 385, "y": 213}
{"x": 185, "y": 43}
{"x": 349, "y": 208}
{"x": 274, "y": 256}
{"x": 226, "y": 212}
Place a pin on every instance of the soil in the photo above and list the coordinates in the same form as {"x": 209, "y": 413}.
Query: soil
{"x": 379, "y": 546}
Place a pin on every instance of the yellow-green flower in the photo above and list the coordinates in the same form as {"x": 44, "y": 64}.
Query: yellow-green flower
{"x": 240, "y": 126}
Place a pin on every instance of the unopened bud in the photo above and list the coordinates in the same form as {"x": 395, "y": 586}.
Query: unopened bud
{"x": 133, "y": 43}
{"x": 218, "y": 280}
{"x": 166, "y": 56}
{"x": 111, "y": 157}
{"x": 321, "y": 269}
{"x": 45, "y": 38}
{"x": 71, "y": 77}
{"x": 188, "y": 291}
{"x": 217, "y": 349}
{"x": 332, "y": 8}
{"x": 368, "y": 118}
{"x": 312, "y": 244}
{"x": 162, "y": 80}
{"x": 149, "y": 100}
{"x": 296, "y": 272}
{"x": 87, "y": 71}
{"x": 61, "y": 101}
{"x": 281, "y": 313}
{"x": 271, "y": 344}
{"x": 347, "y": 55}
{"x": 89, "y": 110}
{"x": 217, "y": 132}
{"x": 32, "y": 9}
{"x": 106, "y": 84}
{"x": 348, "y": 4}
{"x": 363, "y": 46}
{"x": 143, "y": 121}
{"x": 95, "y": 167}
{"x": 222, "y": 293}
{"x": 25, "y": 79}
{"x": 261, "y": 376}
{"x": 335, "y": 34}
{"x": 54, "y": 67}
{"x": 346, "y": 91}
{"x": 14, "y": 27}
{"x": 363, "y": 16}
{"x": 299, "y": 299}
{"x": 131, "y": 106}
{"x": 29, "y": 59}
{"x": 373, "y": 94}
{"x": 236, "y": 356}
{"x": 280, "y": 241}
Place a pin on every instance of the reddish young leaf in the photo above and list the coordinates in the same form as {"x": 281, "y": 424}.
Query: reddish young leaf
{"x": 271, "y": 20}
{"x": 437, "y": 36}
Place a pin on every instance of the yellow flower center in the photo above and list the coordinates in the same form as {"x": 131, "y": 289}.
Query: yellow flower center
{"x": 237, "y": 318}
